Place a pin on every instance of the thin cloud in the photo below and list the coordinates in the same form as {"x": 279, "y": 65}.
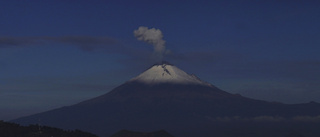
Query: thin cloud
{"x": 7, "y": 42}
{"x": 266, "y": 118}
{"x": 307, "y": 118}
{"x": 87, "y": 43}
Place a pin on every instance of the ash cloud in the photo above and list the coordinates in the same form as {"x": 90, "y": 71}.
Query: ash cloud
{"x": 152, "y": 36}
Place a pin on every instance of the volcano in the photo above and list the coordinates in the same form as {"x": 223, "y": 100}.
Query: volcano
{"x": 166, "y": 97}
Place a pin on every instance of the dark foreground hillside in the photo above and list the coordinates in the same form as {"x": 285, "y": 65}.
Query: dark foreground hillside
{"x": 127, "y": 133}
{"x": 15, "y": 130}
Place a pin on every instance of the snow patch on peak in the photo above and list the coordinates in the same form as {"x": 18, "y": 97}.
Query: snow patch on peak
{"x": 167, "y": 73}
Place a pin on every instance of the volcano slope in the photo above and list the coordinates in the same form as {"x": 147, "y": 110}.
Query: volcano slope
{"x": 165, "y": 97}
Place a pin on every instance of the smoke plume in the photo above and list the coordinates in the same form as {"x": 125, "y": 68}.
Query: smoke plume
{"x": 152, "y": 36}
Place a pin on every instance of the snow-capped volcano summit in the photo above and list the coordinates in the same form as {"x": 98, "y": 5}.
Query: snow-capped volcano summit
{"x": 167, "y": 73}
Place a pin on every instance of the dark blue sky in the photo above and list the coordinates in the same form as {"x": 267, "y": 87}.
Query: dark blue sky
{"x": 55, "y": 53}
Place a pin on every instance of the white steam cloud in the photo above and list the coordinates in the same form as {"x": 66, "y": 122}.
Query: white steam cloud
{"x": 152, "y": 36}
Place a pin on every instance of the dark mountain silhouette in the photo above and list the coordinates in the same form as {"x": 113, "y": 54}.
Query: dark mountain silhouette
{"x": 127, "y": 133}
{"x": 165, "y": 97}
{"x": 15, "y": 130}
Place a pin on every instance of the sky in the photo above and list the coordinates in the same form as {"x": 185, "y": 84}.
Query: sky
{"x": 56, "y": 53}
